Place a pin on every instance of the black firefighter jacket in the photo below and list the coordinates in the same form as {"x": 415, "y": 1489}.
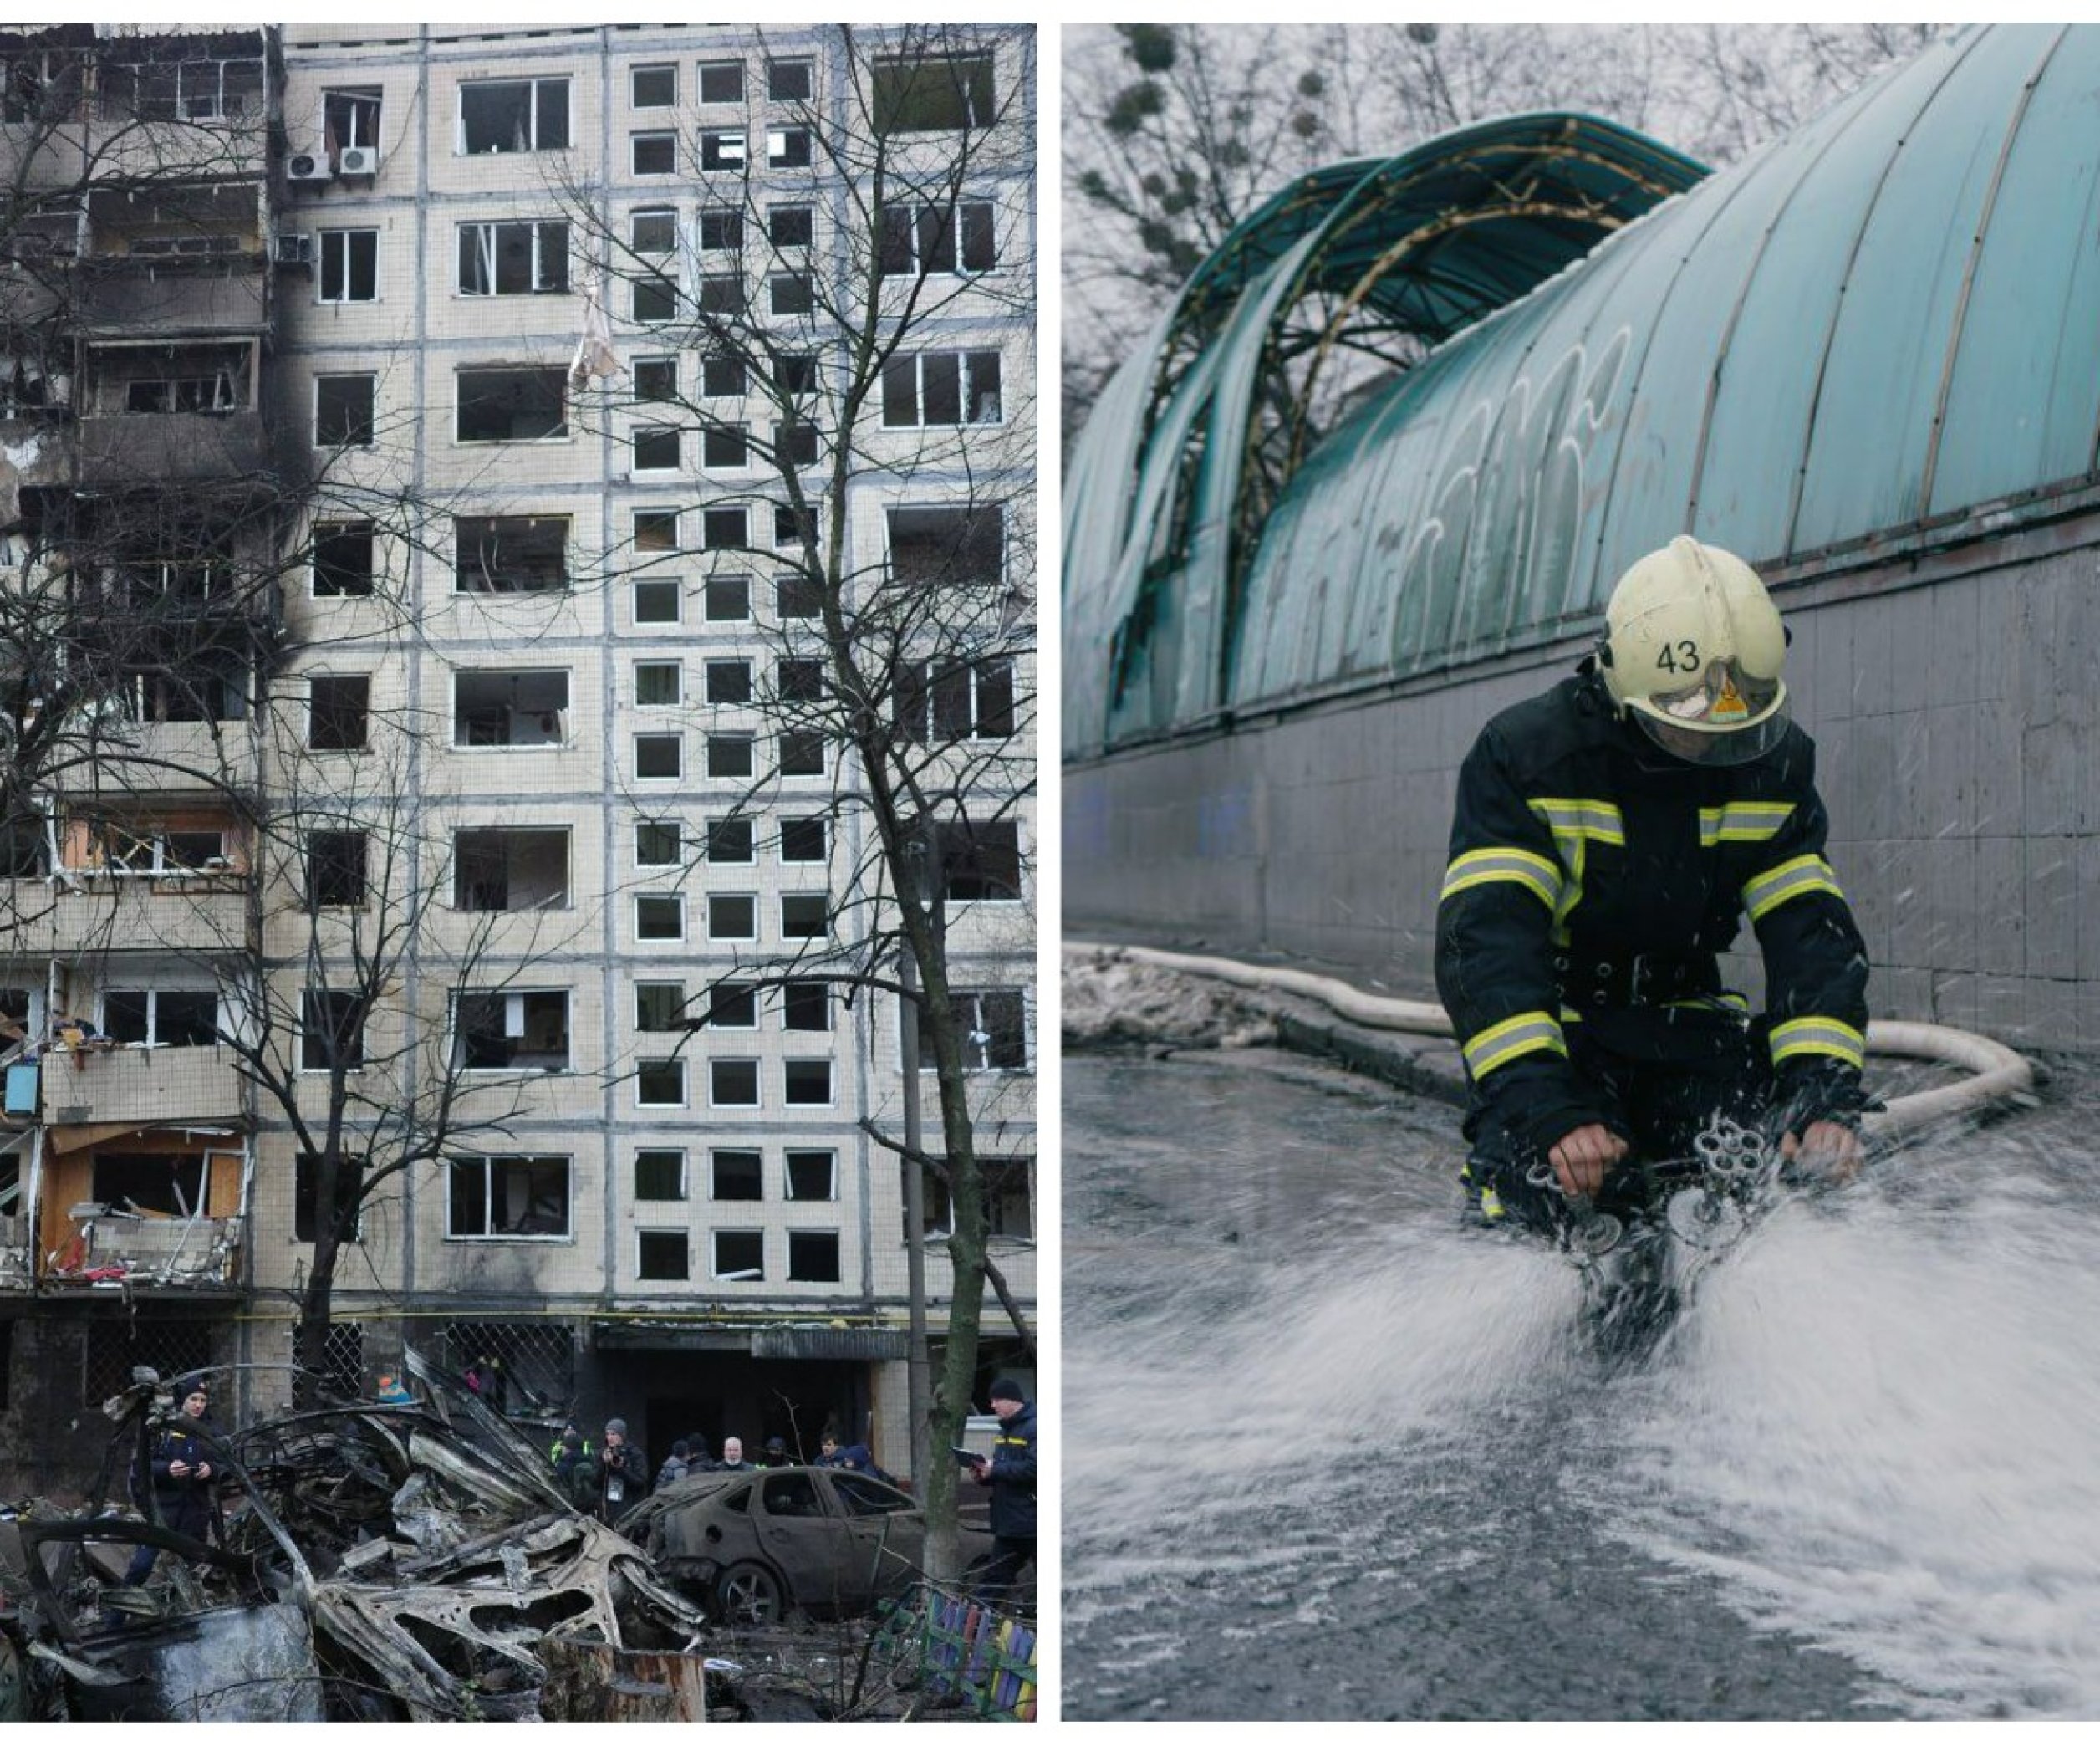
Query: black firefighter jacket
{"x": 1583, "y": 858}
{"x": 1013, "y": 1476}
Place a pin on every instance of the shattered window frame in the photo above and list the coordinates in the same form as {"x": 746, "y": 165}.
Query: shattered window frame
{"x": 541, "y": 124}
{"x": 534, "y": 1173}
{"x": 654, "y": 1252}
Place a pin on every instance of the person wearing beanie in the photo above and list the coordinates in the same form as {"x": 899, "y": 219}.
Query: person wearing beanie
{"x": 623, "y": 1472}
{"x": 1011, "y": 1473}
{"x": 674, "y": 1466}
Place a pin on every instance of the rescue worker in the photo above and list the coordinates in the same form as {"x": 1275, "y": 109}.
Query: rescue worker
{"x": 178, "y": 1473}
{"x": 1610, "y": 838}
{"x": 554, "y": 1449}
{"x": 1011, "y": 1473}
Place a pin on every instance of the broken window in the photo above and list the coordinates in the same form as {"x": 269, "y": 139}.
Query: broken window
{"x": 39, "y": 85}
{"x": 503, "y": 708}
{"x": 162, "y": 379}
{"x": 513, "y": 115}
{"x": 791, "y": 226}
{"x": 659, "y": 917}
{"x": 802, "y": 752}
{"x": 813, "y": 1257}
{"x": 805, "y": 1006}
{"x": 721, "y": 228}
{"x": 1006, "y": 1198}
{"x": 343, "y": 410}
{"x": 795, "y": 373}
{"x": 661, "y": 1255}
{"x": 658, "y": 756}
{"x": 507, "y": 1197}
{"x": 653, "y": 235}
{"x": 170, "y": 1182}
{"x": 721, "y": 81}
{"x": 736, "y": 1175}
{"x": 807, "y": 1082}
{"x": 790, "y": 81}
{"x": 941, "y": 388}
{"x": 156, "y": 851}
{"x": 721, "y": 377}
{"x": 510, "y": 553}
{"x": 305, "y": 1195}
{"x": 812, "y": 1176}
{"x": 800, "y": 680}
{"x": 195, "y": 88}
{"x": 335, "y": 869}
{"x": 804, "y": 839}
{"x": 932, "y": 94}
{"x": 729, "y": 681}
{"x": 728, "y": 599}
{"x": 512, "y": 405}
{"x": 653, "y": 153}
{"x": 722, "y": 150}
{"x": 660, "y": 1174}
{"x": 740, "y": 1255}
{"x": 730, "y": 842}
{"x": 799, "y": 595}
{"x": 656, "y": 448}
{"x": 338, "y": 712}
{"x": 792, "y": 293}
{"x": 510, "y": 868}
{"x": 981, "y": 861}
{"x": 652, "y": 87}
{"x": 351, "y": 117}
{"x": 25, "y": 853}
{"x": 158, "y": 695}
{"x": 344, "y": 565}
{"x": 349, "y": 266}
{"x": 924, "y": 239}
{"x": 658, "y": 843}
{"x": 725, "y": 527}
{"x": 732, "y": 916}
{"x": 521, "y": 1028}
{"x": 940, "y": 547}
{"x": 794, "y": 527}
{"x": 804, "y": 916}
{"x": 513, "y": 260}
{"x": 331, "y": 1030}
{"x": 995, "y": 1031}
{"x": 733, "y": 1085}
{"x": 955, "y": 700}
{"x": 722, "y": 294}
{"x": 655, "y": 530}
{"x": 789, "y": 148}
{"x": 163, "y": 1017}
{"x": 794, "y": 443}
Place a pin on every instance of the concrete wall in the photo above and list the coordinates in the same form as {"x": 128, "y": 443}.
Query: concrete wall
{"x": 1954, "y": 705}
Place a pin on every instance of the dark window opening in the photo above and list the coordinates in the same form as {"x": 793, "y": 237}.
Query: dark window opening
{"x": 732, "y": 1006}
{"x": 804, "y": 839}
{"x": 729, "y": 681}
{"x": 166, "y": 1017}
{"x": 805, "y": 915}
{"x": 794, "y": 294}
{"x": 724, "y": 446}
{"x": 659, "y": 1006}
{"x": 732, "y": 916}
{"x": 736, "y": 1175}
{"x": 812, "y": 1176}
{"x": 733, "y": 1085}
{"x": 805, "y": 1006}
{"x": 513, "y": 260}
{"x": 514, "y": 115}
{"x": 658, "y": 843}
{"x": 661, "y": 1255}
{"x": 721, "y": 228}
{"x": 652, "y": 87}
{"x": 343, "y": 561}
{"x": 658, "y": 756}
{"x": 724, "y": 529}
{"x": 799, "y": 595}
{"x": 801, "y": 681}
{"x": 729, "y": 841}
{"x": 795, "y": 444}
{"x": 656, "y": 448}
{"x": 660, "y": 1084}
{"x": 510, "y": 553}
{"x": 338, "y": 710}
{"x": 653, "y": 154}
{"x": 343, "y": 410}
{"x": 802, "y": 752}
{"x": 512, "y": 405}
{"x": 722, "y": 294}
{"x": 981, "y": 861}
{"x": 171, "y": 1182}
{"x": 507, "y": 1197}
{"x": 508, "y": 869}
{"x": 813, "y": 1257}
{"x": 791, "y": 227}
{"x": 933, "y": 94}
{"x": 350, "y": 1215}
{"x": 659, "y": 1175}
{"x": 808, "y": 1082}
{"x": 722, "y": 150}
{"x": 351, "y": 118}
{"x": 796, "y": 373}
{"x": 655, "y": 379}
{"x": 349, "y": 266}
{"x": 941, "y": 388}
{"x": 729, "y": 755}
{"x": 657, "y": 603}
{"x": 925, "y": 238}
{"x": 740, "y": 1255}
{"x": 789, "y": 148}
{"x": 655, "y": 530}
{"x": 789, "y": 81}
{"x": 331, "y": 1030}
{"x": 995, "y": 1031}
{"x": 728, "y": 599}
{"x": 659, "y": 917}
{"x": 721, "y": 377}
{"x": 1007, "y": 1212}
{"x": 721, "y": 81}
{"x": 525, "y": 1029}
{"x": 942, "y": 547}
{"x": 335, "y": 868}
{"x": 506, "y": 708}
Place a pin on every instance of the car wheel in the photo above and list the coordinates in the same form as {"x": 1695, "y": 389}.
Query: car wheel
{"x": 749, "y": 1593}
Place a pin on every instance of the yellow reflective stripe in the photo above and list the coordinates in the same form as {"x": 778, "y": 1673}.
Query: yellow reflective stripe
{"x": 1743, "y": 821}
{"x": 1498, "y": 1045}
{"x": 1818, "y": 1036}
{"x": 1727, "y": 999}
{"x": 1789, "y": 880}
{"x": 1600, "y": 821}
{"x": 1518, "y": 866}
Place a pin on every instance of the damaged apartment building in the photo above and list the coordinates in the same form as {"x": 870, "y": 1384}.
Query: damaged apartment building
{"x": 392, "y": 718}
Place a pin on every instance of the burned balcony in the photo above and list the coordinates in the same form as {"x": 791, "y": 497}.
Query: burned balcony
{"x": 160, "y": 414}
{"x": 176, "y": 260}
{"x": 192, "y": 106}
{"x": 142, "y": 1210}
{"x": 511, "y": 868}
{"x": 16, "y": 1252}
{"x": 98, "y": 1081}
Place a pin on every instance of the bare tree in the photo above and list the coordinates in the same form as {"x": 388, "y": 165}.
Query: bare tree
{"x": 880, "y": 506}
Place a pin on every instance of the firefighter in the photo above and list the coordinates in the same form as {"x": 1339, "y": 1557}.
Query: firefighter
{"x": 1610, "y": 838}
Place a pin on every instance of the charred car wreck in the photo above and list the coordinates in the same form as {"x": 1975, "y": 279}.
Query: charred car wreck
{"x": 367, "y": 1562}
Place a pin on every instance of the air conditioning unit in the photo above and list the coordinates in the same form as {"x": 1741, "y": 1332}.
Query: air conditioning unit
{"x": 357, "y": 161}
{"x": 308, "y": 167}
{"x": 292, "y": 248}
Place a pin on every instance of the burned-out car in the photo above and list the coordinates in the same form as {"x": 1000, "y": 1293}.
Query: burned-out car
{"x": 753, "y": 1545}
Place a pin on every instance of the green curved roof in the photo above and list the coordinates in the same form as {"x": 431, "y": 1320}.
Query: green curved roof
{"x": 1885, "y": 326}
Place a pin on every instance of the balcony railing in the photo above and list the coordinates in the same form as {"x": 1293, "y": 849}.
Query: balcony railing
{"x": 102, "y": 1249}
{"x": 123, "y": 451}
{"x": 199, "y": 912}
{"x": 159, "y": 1086}
{"x": 136, "y": 297}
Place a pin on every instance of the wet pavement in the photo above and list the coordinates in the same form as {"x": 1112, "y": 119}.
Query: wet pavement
{"x": 1332, "y": 1454}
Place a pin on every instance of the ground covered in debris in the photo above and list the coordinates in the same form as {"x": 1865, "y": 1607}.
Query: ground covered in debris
{"x": 417, "y": 1562}
{"x": 1112, "y": 1001}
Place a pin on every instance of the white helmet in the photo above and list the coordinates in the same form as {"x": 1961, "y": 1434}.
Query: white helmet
{"x": 1692, "y": 653}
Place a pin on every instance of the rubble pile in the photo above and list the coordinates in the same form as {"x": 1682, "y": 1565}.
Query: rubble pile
{"x": 373, "y": 1563}
{"x": 1112, "y": 1001}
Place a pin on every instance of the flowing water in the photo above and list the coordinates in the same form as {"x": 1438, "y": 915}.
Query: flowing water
{"x": 1331, "y": 1453}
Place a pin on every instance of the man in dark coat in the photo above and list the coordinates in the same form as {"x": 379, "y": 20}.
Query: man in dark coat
{"x": 623, "y": 1472}
{"x": 1011, "y": 1473}
{"x": 179, "y": 1478}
